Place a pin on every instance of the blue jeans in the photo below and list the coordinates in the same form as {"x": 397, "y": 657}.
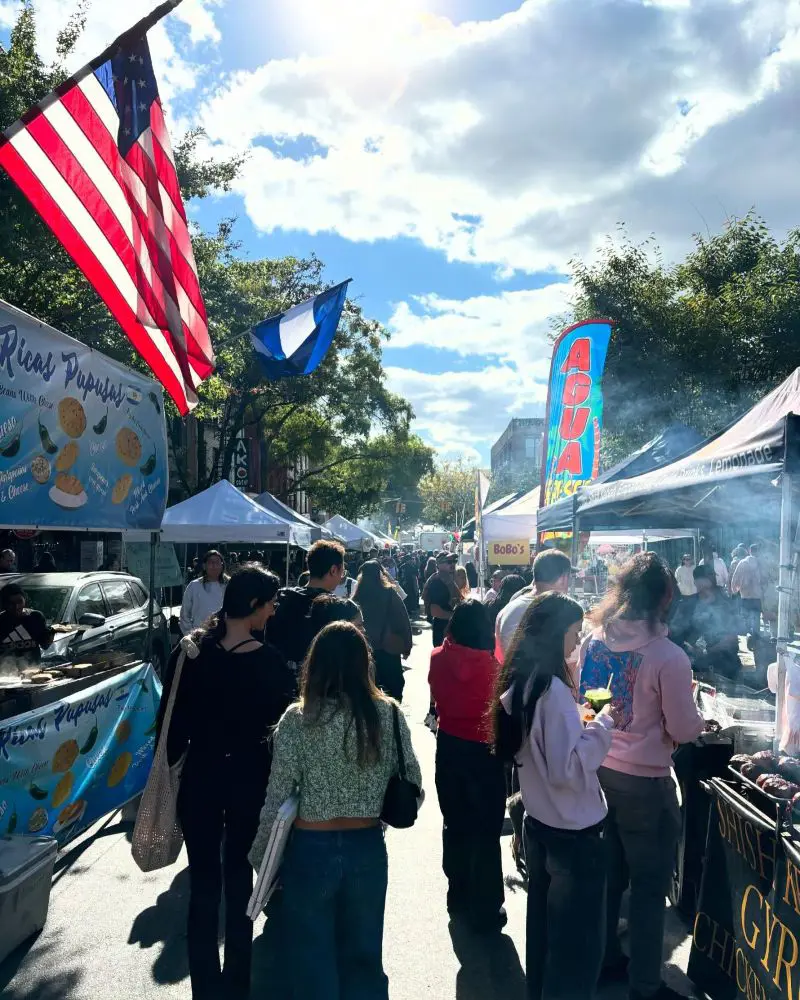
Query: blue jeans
{"x": 334, "y": 889}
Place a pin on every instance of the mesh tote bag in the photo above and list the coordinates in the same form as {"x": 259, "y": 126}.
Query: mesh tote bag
{"x": 157, "y": 836}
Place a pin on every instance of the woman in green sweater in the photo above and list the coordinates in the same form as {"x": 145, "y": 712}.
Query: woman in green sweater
{"x": 337, "y": 747}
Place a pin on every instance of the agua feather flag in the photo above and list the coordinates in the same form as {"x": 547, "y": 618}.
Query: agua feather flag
{"x": 294, "y": 342}
{"x": 95, "y": 160}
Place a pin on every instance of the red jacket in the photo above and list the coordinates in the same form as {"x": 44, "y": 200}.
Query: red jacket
{"x": 462, "y": 684}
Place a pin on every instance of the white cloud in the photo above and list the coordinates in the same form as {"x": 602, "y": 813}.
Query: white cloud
{"x": 521, "y": 140}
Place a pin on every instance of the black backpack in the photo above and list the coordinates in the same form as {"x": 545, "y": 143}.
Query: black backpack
{"x": 290, "y": 629}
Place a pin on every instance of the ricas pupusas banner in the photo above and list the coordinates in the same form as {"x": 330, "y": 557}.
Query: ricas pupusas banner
{"x": 64, "y": 766}
{"x": 82, "y": 438}
{"x": 574, "y": 409}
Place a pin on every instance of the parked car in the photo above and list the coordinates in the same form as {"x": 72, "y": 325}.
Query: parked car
{"x": 108, "y": 612}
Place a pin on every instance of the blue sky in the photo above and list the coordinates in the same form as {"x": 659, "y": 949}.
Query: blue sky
{"x": 452, "y": 156}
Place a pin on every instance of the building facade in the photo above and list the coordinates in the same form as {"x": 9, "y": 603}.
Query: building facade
{"x": 518, "y": 450}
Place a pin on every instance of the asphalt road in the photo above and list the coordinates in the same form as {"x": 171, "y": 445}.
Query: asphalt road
{"x": 114, "y": 933}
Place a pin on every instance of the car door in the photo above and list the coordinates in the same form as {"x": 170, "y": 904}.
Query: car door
{"x": 90, "y": 641}
{"x": 128, "y": 623}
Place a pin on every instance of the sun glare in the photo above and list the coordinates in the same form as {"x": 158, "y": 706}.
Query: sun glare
{"x": 356, "y": 25}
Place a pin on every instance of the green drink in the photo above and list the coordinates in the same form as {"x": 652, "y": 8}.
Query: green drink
{"x": 598, "y": 698}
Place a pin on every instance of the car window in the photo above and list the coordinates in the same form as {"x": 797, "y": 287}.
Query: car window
{"x": 51, "y": 601}
{"x": 118, "y": 596}
{"x": 139, "y": 593}
{"x": 90, "y": 602}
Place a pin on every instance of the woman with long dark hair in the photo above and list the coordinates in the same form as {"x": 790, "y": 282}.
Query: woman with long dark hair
{"x": 203, "y": 597}
{"x": 651, "y": 685}
{"x": 469, "y": 778}
{"x": 387, "y": 626}
{"x": 337, "y": 747}
{"x": 509, "y": 588}
{"x": 538, "y": 725}
{"x": 229, "y": 698}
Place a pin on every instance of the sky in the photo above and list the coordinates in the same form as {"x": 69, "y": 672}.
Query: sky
{"x": 452, "y": 156}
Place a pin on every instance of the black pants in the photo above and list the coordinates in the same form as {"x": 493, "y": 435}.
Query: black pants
{"x": 389, "y": 674}
{"x": 566, "y": 911}
{"x": 470, "y": 784}
{"x": 216, "y": 807}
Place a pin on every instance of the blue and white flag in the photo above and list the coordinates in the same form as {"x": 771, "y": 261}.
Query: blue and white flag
{"x": 294, "y": 342}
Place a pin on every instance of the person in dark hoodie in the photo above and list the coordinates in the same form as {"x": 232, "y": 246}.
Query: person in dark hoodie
{"x": 291, "y": 629}
{"x": 470, "y": 780}
{"x": 651, "y": 684}
{"x": 387, "y": 626}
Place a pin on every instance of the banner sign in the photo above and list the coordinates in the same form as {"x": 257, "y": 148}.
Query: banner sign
{"x": 574, "y": 409}
{"x": 82, "y": 439}
{"x": 509, "y": 553}
{"x": 746, "y": 936}
{"x": 64, "y": 766}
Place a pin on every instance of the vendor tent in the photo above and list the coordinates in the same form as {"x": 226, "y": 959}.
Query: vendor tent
{"x": 282, "y": 510}
{"x": 668, "y": 446}
{"x": 224, "y": 514}
{"x": 514, "y": 522}
{"x": 731, "y": 478}
{"x": 468, "y": 531}
{"x": 353, "y": 536}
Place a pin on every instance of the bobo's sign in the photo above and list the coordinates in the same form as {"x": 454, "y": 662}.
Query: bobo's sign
{"x": 509, "y": 553}
{"x": 575, "y": 409}
{"x": 82, "y": 438}
{"x": 746, "y": 936}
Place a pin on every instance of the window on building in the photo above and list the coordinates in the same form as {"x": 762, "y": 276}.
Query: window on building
{"x": 533, "y": 447}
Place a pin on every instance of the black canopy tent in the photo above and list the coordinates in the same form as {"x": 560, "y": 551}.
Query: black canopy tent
{"x": 666, "y": 447}
{"x": 744, "y": 474}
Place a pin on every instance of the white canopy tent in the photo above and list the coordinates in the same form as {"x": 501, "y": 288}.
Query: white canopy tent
{"x": 514, "y": 522}
{"x": 353, "y": 536}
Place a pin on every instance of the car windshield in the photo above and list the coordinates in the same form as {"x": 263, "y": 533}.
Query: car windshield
{"x": 51, "y": 601}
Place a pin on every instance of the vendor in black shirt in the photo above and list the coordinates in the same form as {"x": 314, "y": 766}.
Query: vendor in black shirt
{"x": 24, "y": 633}
{"x": 714, "y": 621}
{"x": 441, "y": 595}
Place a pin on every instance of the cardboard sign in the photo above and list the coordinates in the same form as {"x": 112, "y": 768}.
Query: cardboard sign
{"x": 509, "y": 553}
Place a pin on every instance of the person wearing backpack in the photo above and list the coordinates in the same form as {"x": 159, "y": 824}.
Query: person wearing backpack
{"x": 537, "y": 724}
{"x": 229, "y": 698}
{"x": 387, "y": 626}
{"x": 291, "y": 630}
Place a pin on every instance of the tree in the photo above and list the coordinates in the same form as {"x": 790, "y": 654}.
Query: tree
{"x": 696, "y": 342}
{"x": 519, "y": 479}
{"x": 448, "y": 494}
{"x": 343, "y": 417}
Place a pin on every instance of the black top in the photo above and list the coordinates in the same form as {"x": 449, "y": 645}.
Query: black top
{"x": 290, "y": 629}
{"x": 227, "y": 704}
{"x": 23, "y": 637}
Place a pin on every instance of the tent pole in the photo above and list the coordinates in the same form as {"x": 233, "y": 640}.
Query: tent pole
{"x": 574, "y": 548}
{"x": 151, "y": 592}
{"x": 288, "y": 555}
{"x": 784, "y": 600}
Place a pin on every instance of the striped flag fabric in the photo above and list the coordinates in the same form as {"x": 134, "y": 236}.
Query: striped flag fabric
{"x": 294, "y": 342}
{"x": 95, "y": 160}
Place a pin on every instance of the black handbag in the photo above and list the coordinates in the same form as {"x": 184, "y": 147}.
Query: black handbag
{"x": 400, "y": 808}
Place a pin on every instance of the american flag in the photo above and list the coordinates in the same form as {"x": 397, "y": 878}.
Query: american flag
{"x": 95, "y": 160}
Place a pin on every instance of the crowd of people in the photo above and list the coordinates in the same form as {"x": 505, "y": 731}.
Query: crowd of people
{"x": 296, "y": 689}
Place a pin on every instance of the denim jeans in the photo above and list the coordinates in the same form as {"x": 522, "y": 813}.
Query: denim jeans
{"x": 334, "y": 888}
{"x": 642, "y": 831}
{"x": 566, "y": 911}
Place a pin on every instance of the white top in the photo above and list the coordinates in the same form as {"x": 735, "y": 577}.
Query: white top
{"x": 508, "y": 621}
{"x": 200, "y": 600}
{"x": 684, "y": 576}
{"x": 557, "y": 764}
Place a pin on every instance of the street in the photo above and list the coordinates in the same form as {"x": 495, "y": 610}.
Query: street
{"x": 114, "y": 932}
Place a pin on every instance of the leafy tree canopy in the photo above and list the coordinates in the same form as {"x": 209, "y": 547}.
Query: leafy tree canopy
{"x": 448, "y": 494}
{"x": 696, "y": 342}
{"x": 352, "y": 430}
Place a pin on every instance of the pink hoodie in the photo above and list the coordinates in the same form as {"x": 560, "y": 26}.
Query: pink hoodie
{"x": 652, "y": 686}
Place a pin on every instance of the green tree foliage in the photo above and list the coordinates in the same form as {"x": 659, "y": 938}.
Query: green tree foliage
{"x": 521, "y": 479}
{"x": 448, "y": 494}
{"x": 343, "y": 420}
{"x": 695, "y": 342}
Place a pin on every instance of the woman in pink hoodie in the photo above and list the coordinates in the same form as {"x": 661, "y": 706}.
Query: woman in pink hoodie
{"x": 651, "y": 683}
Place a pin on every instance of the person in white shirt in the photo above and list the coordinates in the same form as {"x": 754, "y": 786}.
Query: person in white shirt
{"x": 203, "y": 597}
{"x": 684, "y": 575}
{"x": 551, "y": 571}
{"x": 747, "y": 583}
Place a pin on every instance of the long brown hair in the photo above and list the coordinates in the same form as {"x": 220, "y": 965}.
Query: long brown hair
{"x": 338, "y": 676}
{"x": 641, "y": 591}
